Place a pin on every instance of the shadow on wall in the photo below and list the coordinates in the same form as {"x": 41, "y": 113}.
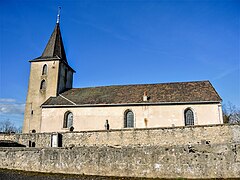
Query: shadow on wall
{"x": 7, "y": 143}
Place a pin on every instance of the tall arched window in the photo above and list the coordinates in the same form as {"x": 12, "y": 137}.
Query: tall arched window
{"x": 43, "y": 85}
{"x": 44, "y": 70}
{"x": 65, "y": 76}
{"x": 128, "y": 119}
{"x": 68, "y": 120}
{"x": 188, "y": 117}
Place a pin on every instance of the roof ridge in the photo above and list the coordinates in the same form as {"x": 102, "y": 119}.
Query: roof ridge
{"x": 67, "y": 99}
{"x": 181, "y": 82}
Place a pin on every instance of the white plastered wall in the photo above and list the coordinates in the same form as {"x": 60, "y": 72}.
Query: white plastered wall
{"x": 94, "y": 118}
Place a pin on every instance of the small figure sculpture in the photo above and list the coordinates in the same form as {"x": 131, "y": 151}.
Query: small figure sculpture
{"x": 106, "y": 125}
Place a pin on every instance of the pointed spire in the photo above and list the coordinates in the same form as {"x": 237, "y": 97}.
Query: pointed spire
{"x": 54, "y": 48}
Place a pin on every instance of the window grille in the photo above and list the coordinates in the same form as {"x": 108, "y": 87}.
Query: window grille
{"x": 68, "y": 120}
{"x": 129, "y": 119}
{"x": 189, "y": 117}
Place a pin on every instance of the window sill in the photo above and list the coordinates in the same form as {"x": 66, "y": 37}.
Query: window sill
{"x": 42, "y": 90}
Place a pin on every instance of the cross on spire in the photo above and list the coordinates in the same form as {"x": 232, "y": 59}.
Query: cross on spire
{"x": 58, "y": 16}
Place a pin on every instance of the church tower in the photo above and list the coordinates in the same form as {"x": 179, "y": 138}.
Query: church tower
{"x": 50, "y": 75}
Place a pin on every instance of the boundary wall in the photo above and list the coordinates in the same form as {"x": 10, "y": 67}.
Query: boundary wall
{"x": 211, "y": 134}
{"x": 187, "y": 152}
{"x": 195, "y": 161}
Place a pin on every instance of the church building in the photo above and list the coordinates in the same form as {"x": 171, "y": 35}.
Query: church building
{"x": 53, "y": 105}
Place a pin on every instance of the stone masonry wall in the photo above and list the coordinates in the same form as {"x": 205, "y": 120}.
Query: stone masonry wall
{"x": 188, "y": 161}
{"x": 212, "y": 134}
{"x": 189, "y": 152}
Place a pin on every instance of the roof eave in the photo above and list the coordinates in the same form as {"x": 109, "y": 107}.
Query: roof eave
{"x": 52, "y": 59}
{"x": 133, "y": 104}
{"x": 39, "y": 59}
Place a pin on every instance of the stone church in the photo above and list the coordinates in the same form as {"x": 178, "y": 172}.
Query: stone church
{"x": 53, "y": 105}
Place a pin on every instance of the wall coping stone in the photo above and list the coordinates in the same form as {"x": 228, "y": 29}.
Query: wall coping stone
{"x": 131, "y": 129}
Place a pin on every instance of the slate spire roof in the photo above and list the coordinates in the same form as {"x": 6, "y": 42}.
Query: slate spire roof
{"x": 54, "y": 48}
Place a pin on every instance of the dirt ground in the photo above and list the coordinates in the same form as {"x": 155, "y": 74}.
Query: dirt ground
{"x": 6, "y": 174}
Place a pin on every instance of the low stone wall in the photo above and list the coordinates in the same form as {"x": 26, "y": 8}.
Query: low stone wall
{"x": 211, "y": 151}
{"x": 211, "y": 134}
{"x": 188, "y": 161}
{"x": 40, "y": 139}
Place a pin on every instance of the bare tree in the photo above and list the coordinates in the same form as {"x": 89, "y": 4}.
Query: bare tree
{"x": 6, "y": 126}
{"x": 19, "y": 129}
{"x": 231, "y": 114}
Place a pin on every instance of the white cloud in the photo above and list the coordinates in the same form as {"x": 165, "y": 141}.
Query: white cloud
{"x": 10, "y": 106}
{"x": 7, "y": 100}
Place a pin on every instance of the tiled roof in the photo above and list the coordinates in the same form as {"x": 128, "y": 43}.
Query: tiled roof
{"x": 54, "y": 48}
{"x": 180, "y": 92}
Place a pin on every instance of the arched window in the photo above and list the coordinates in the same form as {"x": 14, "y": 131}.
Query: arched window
{"x": 65, "y": 76}
{"x": 68, "y": 120}
{"x": 44, "y": 70}
{"x": 128, "y": 119}
{"x": 43, "y": 85}
{"x": 188, "y": 117}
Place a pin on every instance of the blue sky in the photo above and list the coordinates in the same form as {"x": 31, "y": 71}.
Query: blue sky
{"x": 122, "y": 42}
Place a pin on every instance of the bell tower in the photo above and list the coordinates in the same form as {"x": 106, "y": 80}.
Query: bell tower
{"x": 50, "y": 75}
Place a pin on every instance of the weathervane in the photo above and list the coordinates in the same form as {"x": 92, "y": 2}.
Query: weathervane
{"x": 58, "y": 16}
